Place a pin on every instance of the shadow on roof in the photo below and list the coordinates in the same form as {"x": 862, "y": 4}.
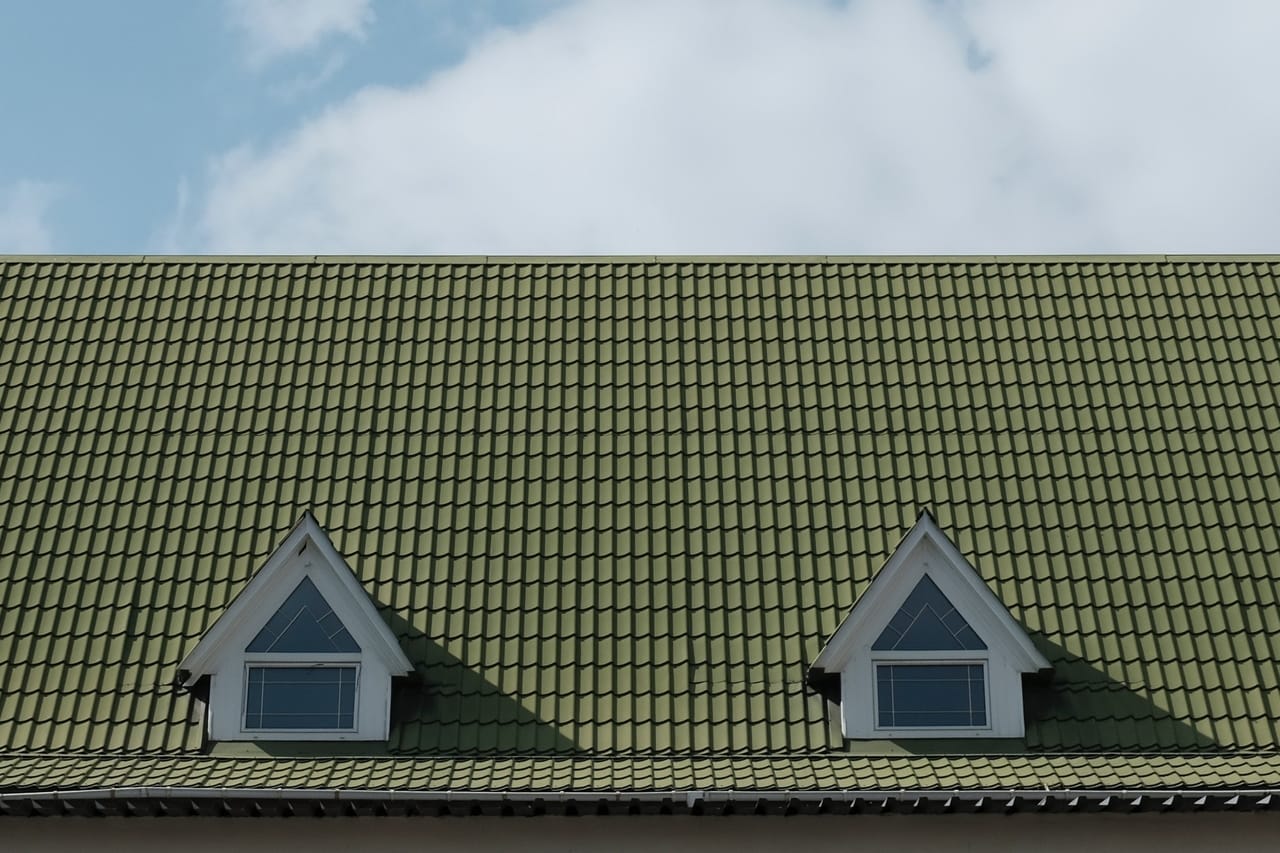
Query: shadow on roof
{"x": 447, "y": 707}
{"x": 1084, "y": 708}
{"x": 1081, "y": 709}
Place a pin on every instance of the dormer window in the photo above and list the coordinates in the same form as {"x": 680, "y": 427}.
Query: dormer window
{"x": 947, "y": 691}
{"x": 927, "y": 622}
{"x": 929, "y": 651}
{"x": 301, "y": 653}
{"x": 931, "y": 696}
{"x": 302, "y": 669}
{"x": 304, "y": 624}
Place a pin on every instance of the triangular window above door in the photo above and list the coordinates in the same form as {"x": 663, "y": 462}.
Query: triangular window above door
{"x": 305, "y": 623}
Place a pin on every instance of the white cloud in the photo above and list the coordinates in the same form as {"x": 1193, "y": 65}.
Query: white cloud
{"x": 277, "y": 28}
{"x": 24, "y": 210}
{"x": 781, "y": 125}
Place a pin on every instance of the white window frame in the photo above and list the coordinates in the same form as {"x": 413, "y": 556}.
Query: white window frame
{"x": 956, "y": 658}
{"x": 267, "y": 660}
{"x": 859, "y": 708}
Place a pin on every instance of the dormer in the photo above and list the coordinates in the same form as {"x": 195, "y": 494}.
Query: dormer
{"x": 301, "y": 653}
{"x": 928, "y": 651}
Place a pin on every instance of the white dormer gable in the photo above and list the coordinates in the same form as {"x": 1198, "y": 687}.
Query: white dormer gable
{"x": 301, "y": 653}
{"x": 928, "y": 650}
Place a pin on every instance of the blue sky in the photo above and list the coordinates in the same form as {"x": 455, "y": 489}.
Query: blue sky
{"x": 463, "y": 126}
{"x": 116, "y": 105}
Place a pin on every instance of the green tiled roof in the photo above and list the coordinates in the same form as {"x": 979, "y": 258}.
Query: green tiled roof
{"x": 523, "y": 775}
{"x": 615, "y": 507}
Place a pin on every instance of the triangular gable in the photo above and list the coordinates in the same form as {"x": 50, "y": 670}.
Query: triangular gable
{"x": 901, "y": 589}
{"x": 277, "y": 603}
{"x": 928, "y": 622}
{"x": 305, "y": 623}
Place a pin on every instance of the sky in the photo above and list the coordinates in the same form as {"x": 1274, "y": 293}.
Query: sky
{"x": 639, "y": 126}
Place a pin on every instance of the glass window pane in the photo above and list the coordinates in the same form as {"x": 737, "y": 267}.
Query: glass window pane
{"x": 298, "y": 697}
{"x": 305, "y": 623}
{"x": 927, "y": 622}
{"x": 930, "y": 696}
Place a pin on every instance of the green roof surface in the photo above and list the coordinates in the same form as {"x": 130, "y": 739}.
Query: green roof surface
{"x": 521, "y": 775}
{"x": 614, "y": 507}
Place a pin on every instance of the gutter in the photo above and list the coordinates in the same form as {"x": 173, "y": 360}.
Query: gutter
{"x": 285, "y": 802}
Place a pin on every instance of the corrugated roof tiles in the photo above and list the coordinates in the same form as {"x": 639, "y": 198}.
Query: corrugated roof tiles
{"x": 615, "y": 506}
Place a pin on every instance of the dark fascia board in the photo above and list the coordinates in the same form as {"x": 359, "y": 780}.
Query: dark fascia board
{"x": 177, "y": 802}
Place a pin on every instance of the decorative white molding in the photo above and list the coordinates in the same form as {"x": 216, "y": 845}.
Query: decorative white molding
{"x": 1009, "y": 653}
{"x": 306, "y": 552}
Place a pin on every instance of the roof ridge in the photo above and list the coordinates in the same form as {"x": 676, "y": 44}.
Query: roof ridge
{"x": 976, "y": 257}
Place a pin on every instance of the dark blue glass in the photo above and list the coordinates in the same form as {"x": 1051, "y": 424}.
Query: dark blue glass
{"x": 930, "y": 696}
{"x": 300, "y": 697}
{"x": 927, "y": 622}
{"x": 305, "y": 624}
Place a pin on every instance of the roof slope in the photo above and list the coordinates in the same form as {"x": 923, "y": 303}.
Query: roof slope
{"x": 618, "y": 505}
{"x": 532, "y": 775}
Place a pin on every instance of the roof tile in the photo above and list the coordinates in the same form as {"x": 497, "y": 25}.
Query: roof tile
{"x": 617, "y": 505}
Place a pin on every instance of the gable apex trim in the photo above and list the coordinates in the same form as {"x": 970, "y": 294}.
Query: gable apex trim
{"x": 248, "y": 605}
{"x": 1013, "y": 639}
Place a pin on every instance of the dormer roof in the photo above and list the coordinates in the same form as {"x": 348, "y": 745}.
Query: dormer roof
{"x": 977, "y": 606}
{"x": 305, "y": 556}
